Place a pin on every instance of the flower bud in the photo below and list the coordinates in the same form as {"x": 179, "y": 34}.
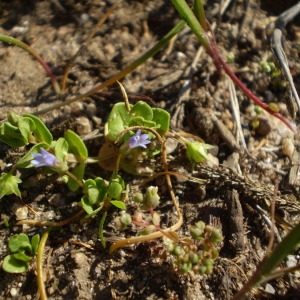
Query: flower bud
{"x": 216, "y": 236}
{"x": 197, "y": 152}
{"x": 186, "y": 267}
{"x": 156, "y": 219}
{"x": 138, "y": 198}
{"x": 178, "y": 250}
{"x": 126, "y": 219}
{"x": 197, "y": 230}
{"x": 193, "y": 258}
{"x": 118, "y": 224}
{"x": 151, "y": 198}
{"x": 169, "y": 245}
{"x": 214, "y": 253}
{"x": 138, "y": 217}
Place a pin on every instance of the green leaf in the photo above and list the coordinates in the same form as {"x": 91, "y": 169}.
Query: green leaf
{"x": 86, "y": 205}
{"x": 76, "y": 145}
{"x": 102, "y": 188}
{"x": 22, "y": 256}
{"x": 141, "y": 114}
{"x": 19, "y": 242}
{"x": 61, "y": 148}
{"x": 35, "y": 240}
{"x": 25, "y": 161}
{"x": 162, "y": 118}
{"x": 41, "y": 132}
{"x": 116, "y": 186}
{"x": 118, "y": 204}
{"x": 77, "y": 171}
{"x": 9, "y": 185}
{"x": 95, "y": 190}
{"x": 140, "y": 121}
{"x": 13, "y": 265}
{"x": 26, "y": 126}
{"x": 91, "y": 190}
{"x": 117, "y": 121}
{"x": 141, "y": 109}
{"x": 100, "y": 230}
{"x": 11, "y": 135}
{"x": 290, "y": 243}
{"x": 13, "y": 118}
{"x": 114, "y": 190}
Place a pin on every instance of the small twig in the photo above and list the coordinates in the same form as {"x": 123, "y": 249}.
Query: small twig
{"x": 125, "y": 97}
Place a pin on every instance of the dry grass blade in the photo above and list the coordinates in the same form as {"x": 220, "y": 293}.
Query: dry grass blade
{"x": 278, "y": 50}
{"x": 236, "y": 114}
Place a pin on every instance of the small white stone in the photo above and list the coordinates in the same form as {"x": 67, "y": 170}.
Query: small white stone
{"x": 13, "y": 292}
{"x": 83, "y": 125}
{"x": 291, "y": 261}
{"x": 79, "y": 257}
{"x": 269, "y": 289}
{"x": 287, "y": 146}
{"x": 21, "y": 213}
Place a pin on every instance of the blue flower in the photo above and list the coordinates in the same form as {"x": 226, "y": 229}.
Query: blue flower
{"x": 139, "y": 140}
{"x": 44, "y": 159}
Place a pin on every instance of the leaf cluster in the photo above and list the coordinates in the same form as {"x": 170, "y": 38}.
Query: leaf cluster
{"x": 24, "y": 250}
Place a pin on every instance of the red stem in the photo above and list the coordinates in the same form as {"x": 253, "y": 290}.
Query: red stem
{"x": 220, "y": 63}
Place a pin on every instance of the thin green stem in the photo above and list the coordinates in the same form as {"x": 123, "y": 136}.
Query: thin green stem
{"x": 39, "y": 265}
{"x": 12, "y": 41}
{"x": 101, "y": 236}
{"x": 187, "y": 14}
{"x": 79, "y": 182}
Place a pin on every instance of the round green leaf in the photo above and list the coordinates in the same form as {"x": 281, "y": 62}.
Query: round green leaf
{"x": 114, "y": 190}
{"x": 13, "y": 265}
{"x": 19, "y": 242}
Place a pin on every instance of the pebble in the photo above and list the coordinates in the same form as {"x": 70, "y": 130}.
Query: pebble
{"x": 263, "y": 128}
{"x": 79, "y": 258}
{"x": 291, "y": 261}
{"x": 91, "y": 108}
{"x": 269, "y": 289}
{"x": 21, "y": 213}
{"x": 13, "y": 292}
{"x": 83, "y": 125}
{"x": 287, "y": 147}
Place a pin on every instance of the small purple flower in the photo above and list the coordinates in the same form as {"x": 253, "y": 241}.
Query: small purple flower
{"x": 139, "y": 140}
{"x": 44, "y": 159}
